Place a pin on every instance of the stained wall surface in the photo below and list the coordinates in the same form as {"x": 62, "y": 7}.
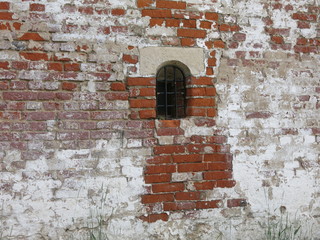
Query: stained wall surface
{"x": 82, "y": 149}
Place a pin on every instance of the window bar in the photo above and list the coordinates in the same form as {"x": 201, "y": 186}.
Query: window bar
{"x": 166, "y": 92}
{"x": 175, "y": 92}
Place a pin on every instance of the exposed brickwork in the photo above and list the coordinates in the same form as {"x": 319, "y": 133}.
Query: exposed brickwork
{"x": 77, "y": 115}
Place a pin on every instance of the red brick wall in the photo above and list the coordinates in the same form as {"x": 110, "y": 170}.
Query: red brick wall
{"x": 45, "y": 93}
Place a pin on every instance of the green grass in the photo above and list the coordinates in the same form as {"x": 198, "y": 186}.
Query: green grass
{"x": 99, "y": 220}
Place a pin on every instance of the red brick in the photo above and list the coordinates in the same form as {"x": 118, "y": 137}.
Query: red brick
{"x": 141, "y": 81}
{"x": 7, "y": 75}
{"x": 200, "y": 147}
{"x": 215, "y": 157}
{"x": 73, "y": 135}
{"x": 187, "y": 158}
{"x": 55, "y": 66}
{"x": 278, "y": 31}
{"x": 34, "y": 56}
{"x": 144, "y": 3}
{"x": 69, "y": 86}
{"x": 170, "y": 4}
{"x": 6, "y": 16}
{"x": 218, "y": 166}
{"x": 258, "y": 115}
{"x": 118, "y": 12}
{"x": 171, "y": 41}
{"x": 107, "y": 115}
{"x": 168, "y": 206}
{"x": 217, "y": 175}
{"x": 240, "y": 37}
{"x": 156, "y": 21}
{"x": 201, "y": 102}
{"x": 233, "y": 45}
{"x": 192, "y": 167}
{"x": 46, "y": 96}
{"x": 155, "y": 217}
{"x": 212, "y": 62}
{"x": 106, "y": 30}
{"x": 218, "y": 44}
{"x": 305, "y": 49}
{"x": 205, "y": 24}
{"x": 196, "y": 111}
{"x": 193, "y": 33}
{"x": 172, "y": 22}
{"x": 277, "y": 39}
{"x": 5, "y": 136}
{"x": 189, "y": 23}
{"x": 97, "y": 76}
{"x": 31, "y": 36}
{"x": 20, "y": 96}
{"x": 157, "y": 178}
{"x": 160, "y": 169}
{"x": 39, "y": 116}
{"x": 18, "y": 85}
{"x": 303, "y": 25}
{"x": 4, "y": 5}
{"x": 184, "y": 196}
{"x": 169, "y": 149}
{"x": 157, "y": 13}
{"x": 86, "y": 10}
{"x": 167, "y": 187}
{"x": 160, "y": 159}
{"x": 146, "y": 92}
{"x": 149, "y": 124}
{"x": 72, "y": 67}
{"x": 225, "y": 184}
{"x": 204, "y": 185}
{"x": 130, "y": 58}
{"x": 118, "y": 86}
{"x": 16, "y": 105}
{"x": 147, "y": 114}
{"x": 117, "y": 96}
{"x": 119, "y": 29}
{"x": 169, "y": 123}
{"x": 4, "y": 85}
{"x": 170, "y": 131}
{"x": 208, "y": 204}
{"x": 73, "y": 115}
{"x": 17, "y": 26}
{"x": 224, "y": 27}
{"x": 4, "y": 65}
{"x": 212, "y": 16}
{"x": 50, "y": 106}
{"x": 101, "y": 135}
{"x": 142, "y": 103}
{"x": 10, "y": 115}
{"x": 188, "y": 42}
{"x": 37, "y": 7}
{"x": 236, "y": 203}
{"x": 304, "y": 98}
{"x": 305, "y": 17}
{"x": 144, "y": 133}
{"x": 212, "y": 112}
{"x": 5, "y": 26}
{"x": 187, "y": 14}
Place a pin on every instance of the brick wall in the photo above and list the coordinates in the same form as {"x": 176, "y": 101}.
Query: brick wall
{"x": 77, "y": 116}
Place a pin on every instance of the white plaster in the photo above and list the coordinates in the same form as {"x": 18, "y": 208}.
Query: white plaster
{"x": 152, "y": 57}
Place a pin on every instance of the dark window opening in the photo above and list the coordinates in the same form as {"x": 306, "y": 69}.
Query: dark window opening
{"x": 170, "y": 93}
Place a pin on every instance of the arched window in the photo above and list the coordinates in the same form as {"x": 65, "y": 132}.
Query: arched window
{"x": 171, "y": 92}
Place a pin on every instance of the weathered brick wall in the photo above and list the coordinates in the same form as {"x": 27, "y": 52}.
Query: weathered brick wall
{"x": 79, "y": 136}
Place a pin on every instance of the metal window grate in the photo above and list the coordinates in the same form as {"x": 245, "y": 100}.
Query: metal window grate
{"x": 170, "y": 93}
